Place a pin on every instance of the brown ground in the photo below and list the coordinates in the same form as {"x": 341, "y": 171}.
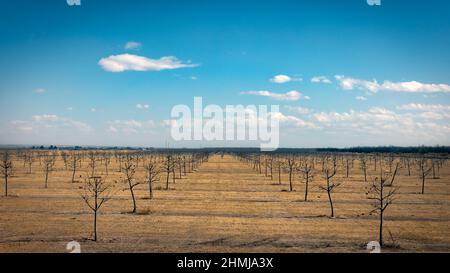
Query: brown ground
{"x": 225, "y": 206}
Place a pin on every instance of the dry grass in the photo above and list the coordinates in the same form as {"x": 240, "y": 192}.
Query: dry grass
{"x": 224, "y": 206}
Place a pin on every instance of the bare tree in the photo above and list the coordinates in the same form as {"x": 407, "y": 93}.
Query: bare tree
{"x": 306, "y": 169}
{"x": 382, "y": 199}
{"x": 6, "y": 166}
{"x": 329, "y": 188}
{"x": 48, "y": 165}
{"x": 280, "y": 165}
{"x": 347, "y": 166}
{"x": 408, "y": 165}
{"x": 152, "y": 175}
{"x": 291, "y": 165}
{"x": 363, "y": 164}
{"x": 29, "y": 159}
{"x": 93, "y": 159}
{"x": 65, "y": 158}
{"x": 129, "y": 170}
{"x": 96, "y": 192}
{"x": 106, "y": 161}
{"x": 73, "y": 163}
{"x": 168, "y": 168}
{"x": 424, "y": 171}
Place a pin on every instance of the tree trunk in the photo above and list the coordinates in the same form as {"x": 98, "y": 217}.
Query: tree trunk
{"x": 290, "y": 180}
{"x": 423, "y": 183}
{"x": 331, "y": 203}
{"x": 167, "y": 179}
{"x": 6, "y": 185}
{"x": 279, "y": 174}
{"x": 306, "y": 187}
{"x": 46, "y": 178}
{"x": 150, "y": 189}
{"x": 73, "y": 175}
{"x": 381, "y": 229}
{"x": 132, "y": 196}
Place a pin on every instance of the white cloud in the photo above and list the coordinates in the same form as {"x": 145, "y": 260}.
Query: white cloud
{"x": 142, "y": 106}
{"x": 289, "y": 96}
{"x": 424, "y": 107}
{"x": 361, "y": 98}
{"x": 133, "y": 45}
{"x": 387, "y": 123}
{"x": 298, "y": 109}
{"x": 130, "y": 126}
{"x": 125, "y": 62}
{"x": 281, "y": 79}
{"x": 40, "y": 118}
{"x": 320, "y": 79}
{"x": 347, "y": 83}
{"x": 39, "y": 90}
{"x": 70, "y": 108}
{"x": 291, "y": 120}
{"x": 93, "y": 110}
{"x": 194, "y": 78}
{"x": 46, "y": 122}
{"x": 284, "y": 79}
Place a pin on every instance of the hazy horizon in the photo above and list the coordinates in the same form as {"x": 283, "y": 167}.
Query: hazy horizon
{"x": 108, "y": 73}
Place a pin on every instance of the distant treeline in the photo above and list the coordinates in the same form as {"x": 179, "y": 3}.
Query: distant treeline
{"x": 383, "y": 149}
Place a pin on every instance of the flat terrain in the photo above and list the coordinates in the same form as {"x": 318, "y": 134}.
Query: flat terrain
{"x": 224, "y": 206}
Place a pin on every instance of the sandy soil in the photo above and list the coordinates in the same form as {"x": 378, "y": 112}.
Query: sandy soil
{"x": 225, "y": 206}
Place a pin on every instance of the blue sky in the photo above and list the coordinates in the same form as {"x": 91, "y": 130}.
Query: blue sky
{"x": 381, "y": 73}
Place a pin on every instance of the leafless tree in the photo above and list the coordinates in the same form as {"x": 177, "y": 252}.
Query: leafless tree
{"x": 73, "y": 163}
{"x": 347, "y": 166}
{"x": 408, "y": 164}
{"x": 48, "y": 165}
{"x": 153, "y": 172}
{"x": 424, "y": 171}
{"x": 363, "y": 164}
{"x": 6, "y": 166}
{"x": 65, "y": 158}
{"x": 168, "y": 168}
{"x": 291, "y": 165}
{"x": 306, "y": 169}
{"x": 93, "y": 159}
{"x": 106, "y": 161}
{"x": 382, "y": 198}
{"x": 434, "y": 164}
{"x": 129, "y": 170}
{"x": 329, "y": 188}
{"x": 96, "y": 192}
{"x": 279, "y": 165}
{"x": 29, "y": 159}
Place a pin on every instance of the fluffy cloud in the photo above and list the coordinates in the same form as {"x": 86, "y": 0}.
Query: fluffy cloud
{"x": 46, "y": 122}
{"x": 298, "y": 109}
{"x": 387, "y": 123}
{"x": 280, "y": 79}
{"x": 291, "y": 120}
{"x": 347, "y": 83}
{"x": 360, "y": 98}
{"x": 133, "y": 45}
{"x": 424, "y": 107}
{"x": 142, "y": 106}
{"x": 289, "y": 96}
{"x": 283, "y": 79}
{"x": 125, "y": 62}
{"x": 320, "y": 79}
{"x": 130, "y": 126}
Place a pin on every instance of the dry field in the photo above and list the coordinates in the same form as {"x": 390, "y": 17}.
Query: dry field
{"x": 224, "y": 206}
